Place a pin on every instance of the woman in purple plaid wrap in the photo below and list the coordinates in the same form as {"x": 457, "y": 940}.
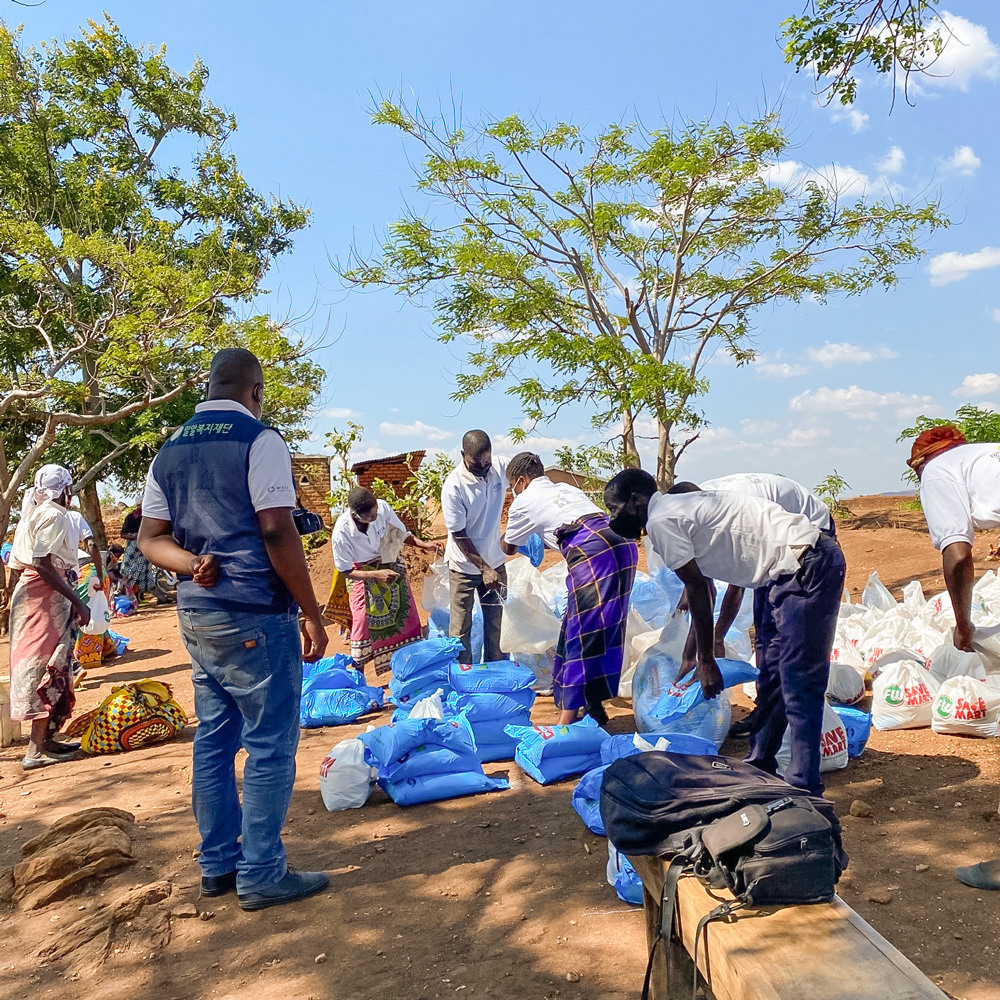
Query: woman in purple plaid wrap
{"x": 601, "y": 565}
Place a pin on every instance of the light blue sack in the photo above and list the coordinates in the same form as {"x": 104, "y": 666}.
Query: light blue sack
{"x": 708, "y": 720}
{"x": 500, "y": 677}
{"x": 435, "y": 787}
{"x": 390, "y": 743}
{"x": 675, "y": 702}
{"x": 337, "y": 706}
{"x": 534, "y": 549}
{"x": 121, "y": 643}
{"x": 407, "y": 693}
{"x": 553, "y": 769}
{"x": 424, "y": 657}
{"x": 491, "y": 753}
{"x": 858, "y": 724}
{"x": 621, "y": 875}
{"x": 622, "y": 745}
{"x": 587, "y": 800}
{"x": 429, "y": 758}
{"x": 437, "y": 628}
{"x": 550, "y": 753}
{"x": 495, "y": 730}
{"x": 339, "y": 665}
{"x": 490, "y": 705}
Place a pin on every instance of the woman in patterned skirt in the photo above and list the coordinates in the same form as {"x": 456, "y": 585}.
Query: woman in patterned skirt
{"x": 601, "y": 570}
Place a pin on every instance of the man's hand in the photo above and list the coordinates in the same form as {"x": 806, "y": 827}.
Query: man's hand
{"x": 491, "y": 578}
{"x": 383, "y": 575}
{"x": 205, "y": 570}
{"x": 314, "y": 639}
{"x": 708, "y": 674}
{"x": 963, "y": 637}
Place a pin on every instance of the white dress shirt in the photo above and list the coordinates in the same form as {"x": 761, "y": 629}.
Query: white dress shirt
{"x": 474, "y": 506}
{"x": 269, "y": 474}
{"x": 734, "y": 537}
{"x": 542, "y": 508}
{"x": 960, "y": 491}
{"x": 47, "y": 532}
{"x": 785, "y": 492}
{"x": 352, "y": 546}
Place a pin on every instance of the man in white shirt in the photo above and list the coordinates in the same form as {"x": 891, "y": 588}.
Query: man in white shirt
{"x": 83, "y": 535}
{"x": 751, "y": 543}
{"x": 959, "y": 492}
{"x": 472, "y": 500}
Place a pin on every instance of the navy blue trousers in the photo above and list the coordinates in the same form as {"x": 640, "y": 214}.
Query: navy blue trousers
{"x": 795, "y": 618}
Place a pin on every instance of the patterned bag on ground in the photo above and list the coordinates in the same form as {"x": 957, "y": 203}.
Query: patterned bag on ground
{"x": 132, "y": 716}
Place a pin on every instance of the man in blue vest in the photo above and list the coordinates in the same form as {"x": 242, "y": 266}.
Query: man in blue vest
{"x": 217, "y": 511}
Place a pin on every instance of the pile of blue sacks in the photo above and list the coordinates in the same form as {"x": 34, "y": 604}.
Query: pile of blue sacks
{"x": 335, "y": 694}
{"x": 439, "y": 620}
{"x": 419, "y": 669}
{"x": 492, "y": 696}
{"x": 121, "y": 643}
{"x": 426, "y": 760}
{"x": 551, "y": 753}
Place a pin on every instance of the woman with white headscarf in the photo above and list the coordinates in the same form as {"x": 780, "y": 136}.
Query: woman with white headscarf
{"x": 43, "y": 610}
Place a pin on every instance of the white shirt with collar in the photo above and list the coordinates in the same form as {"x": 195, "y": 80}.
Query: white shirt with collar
{"x": 269, "y": 474}
{"x": 47, "y": 532}
{"x": 542, "y": 508}
{"x": 352, "y": 546}
{"x": 734, "y": 537}
{"x": 785, "y": 492}
{"x": 474, "y": 506}
{"x": 960, "y": 491}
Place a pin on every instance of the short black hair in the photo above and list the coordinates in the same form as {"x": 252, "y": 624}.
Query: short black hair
{"x": 630, "y": 481}
{"x": 235, "y": 369}
{"x": 473, "y": 442}
{"x": 361, "y": 500}
{"x": 685, "y": 487}
{"x": 525, "y": 463}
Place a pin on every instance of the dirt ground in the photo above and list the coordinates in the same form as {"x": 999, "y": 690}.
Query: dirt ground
{"x": 499, "y": 895}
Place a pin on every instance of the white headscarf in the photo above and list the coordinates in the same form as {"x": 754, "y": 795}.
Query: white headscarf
{"x": 51, "y": 482}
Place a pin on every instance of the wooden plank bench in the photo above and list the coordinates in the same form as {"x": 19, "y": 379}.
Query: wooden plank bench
{"x": 820, "y": 952}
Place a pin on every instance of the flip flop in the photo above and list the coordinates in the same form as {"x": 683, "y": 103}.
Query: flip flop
{"x": 34, "y": 763}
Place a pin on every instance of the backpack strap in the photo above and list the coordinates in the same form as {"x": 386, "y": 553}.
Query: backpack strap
{"x": 723, "y": 911}
{"x": 679, "y": 865}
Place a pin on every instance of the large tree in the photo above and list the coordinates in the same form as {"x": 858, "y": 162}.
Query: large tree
{"x": 609, "y": 270}
{"x": 131, "y": 248}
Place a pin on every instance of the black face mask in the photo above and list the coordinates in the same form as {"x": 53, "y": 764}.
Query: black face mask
{"x": 480, "y": 471}
{"x": 627, "y": 525}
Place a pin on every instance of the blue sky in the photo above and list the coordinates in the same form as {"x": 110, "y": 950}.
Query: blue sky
{"x": 833, "y": 384}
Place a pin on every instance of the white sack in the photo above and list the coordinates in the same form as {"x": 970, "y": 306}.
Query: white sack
{"x": 966, "y": 706}
{"x": 430, "y": 707}
{"x": 948, "y": 662}
{"x": 903, "y": 696}
{"x": 345, "y": 780}
{"x": 876, "y": 595}
{"x": 833, "y": 745}
{"x": 846, "y": 685}
{"x": 436, "y": 591}
{"x": 528, "y": 626}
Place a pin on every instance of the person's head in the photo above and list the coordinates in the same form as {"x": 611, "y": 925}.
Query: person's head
{"x": 685, "y": 487}
{"x": 627, "y": 499}
{"x": 54, "y": 482}
{"x": 236, "y": 374}
{"x": 931, "y": 443}
{"x": 477, "y": 453}
{"x": 522, "y": 469}
{"x": 363, "y": 505}
{"x": 117, "y": 551}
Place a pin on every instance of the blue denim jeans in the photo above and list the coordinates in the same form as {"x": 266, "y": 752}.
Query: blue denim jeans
{"x": 247, "y": 676}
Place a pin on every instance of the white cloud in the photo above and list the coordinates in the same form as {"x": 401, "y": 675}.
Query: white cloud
{"x": 858, "y": 120}
{"x": 968, "y": 55}
{"x": 963, "y": 161}
{"x": 801, "y": 437}
{"x": 506, "y": 445}
{"x": 893, "y": 161}
{"x": 340, "y": 413}
{"x": 844, "y": 353}
{"x": 834, "y": 178}
{"x": 779, "y": 369}
{"x": 983, "y": 384}
{"x": 754, "y": 428}
{"x": 995, "y": 313}
{"x": 951, "y": 266}
{"x": 856, "y": 403}
{"x": 417, "y": 429}
{"x": 370, "y": 451}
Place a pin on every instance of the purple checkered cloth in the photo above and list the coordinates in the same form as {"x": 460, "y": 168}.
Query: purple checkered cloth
{"x": 588, "y": 661}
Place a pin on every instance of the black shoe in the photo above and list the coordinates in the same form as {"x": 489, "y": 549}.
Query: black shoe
{"x": 61, "y": 751}
{"x": 295, "y": 885}
{"x": 218, "y": 885}
{"x": 741, "y": 728}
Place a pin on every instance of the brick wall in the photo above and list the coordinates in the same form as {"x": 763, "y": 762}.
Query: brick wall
{"x": 311, "y": 474}
{"x": 395, "y": 470}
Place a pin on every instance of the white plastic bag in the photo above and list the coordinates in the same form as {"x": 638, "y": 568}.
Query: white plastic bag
{"x": 100, "y": 613}
{"x": 966, "y": 706}
{"x": 436, "y": 591}
{"x": 430, "y": 707}
{"x": 345, "y": 780}
{"x": 648, "y": 682}
{"x": 876, "y": 595}
{"x": 833, "y": 745}
{"x": 903, "y": 696}
{"x": 846, "y": 685}
{"x": 528, "y": 627}
{"x": 948, "y": 662}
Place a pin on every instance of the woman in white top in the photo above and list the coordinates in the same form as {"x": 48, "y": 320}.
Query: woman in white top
{"x": 367, "y": 545}
{"x": 43, "y": 610}
{"x": 601, "y": 564}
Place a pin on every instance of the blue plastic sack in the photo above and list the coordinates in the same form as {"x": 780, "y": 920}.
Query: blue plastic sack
{"x": 435, "y": 787}
{"x": 329, "y": 664}
{"x": 534, "y": 549}
{"x": 424, "y": 657}
{"x": 858, "y": 724}
{"x": 708, "y": 720}
{"x": 393, "y": 742}
{"x": 621, "y": 874}
{"x": 429, "y": 758}
{"x": 502, "y": 676}
{"x": 552, "y": 769}
{"x": 675, "y": 701}
{"x": 337, "y": 706}
{"x": 587, "y": 800}
{"x": 490, "y": 753}
{"x": 437, "y": 628}
{"x": 121, "y": 643}
{"x": 495, "y": 730}
{"x": 550, "y": 753}
{"x": 124, "y": 606}
{"x": 622, "y": 745}
{"x": 490, "y": 705}
{"x": 655, "y": 597}
{"x": 411, "y": 690}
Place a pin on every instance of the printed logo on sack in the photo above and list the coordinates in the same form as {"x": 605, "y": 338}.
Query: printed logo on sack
{"x": 833, "y": 742}
{"x": 324, "y": 768}
{"x": 464, "y": 667}
{"x": 893, "y": 695}
{"x": 944, "y": 706}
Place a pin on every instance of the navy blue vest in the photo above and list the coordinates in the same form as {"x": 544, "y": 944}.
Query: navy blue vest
{"x": 202, "y": 470}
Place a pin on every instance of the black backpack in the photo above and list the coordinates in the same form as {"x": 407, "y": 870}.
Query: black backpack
{"x": 727, "y": 822}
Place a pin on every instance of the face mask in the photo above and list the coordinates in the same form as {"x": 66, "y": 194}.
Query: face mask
{"x": 627, "y": 525}
{"x": 480, "y": 471}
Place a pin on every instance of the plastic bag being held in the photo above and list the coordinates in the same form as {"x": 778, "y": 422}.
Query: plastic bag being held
{"x": 100, "y": 613}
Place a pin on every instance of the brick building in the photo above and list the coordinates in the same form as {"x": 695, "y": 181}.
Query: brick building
{"x": 394, "y": 469}
{"x": 311, "y": 474}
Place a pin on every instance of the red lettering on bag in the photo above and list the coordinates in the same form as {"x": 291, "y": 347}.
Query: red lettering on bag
{"x": 917, "y": 694}
{"x": 546, "y": 732}
{"x": 970, "y": 710}
{"x": 833, "y": 742}
{"x": 324, "y": 768}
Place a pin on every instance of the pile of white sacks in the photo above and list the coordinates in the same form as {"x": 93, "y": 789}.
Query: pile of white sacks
{"x": 918, "y": 677}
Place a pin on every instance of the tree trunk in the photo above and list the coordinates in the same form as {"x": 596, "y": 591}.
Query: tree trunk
{"x": 5, "y": 509}
{"x": 630, "y": 453}
{"x": 666, "y": 459}
{"x": 90, "y": 504}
